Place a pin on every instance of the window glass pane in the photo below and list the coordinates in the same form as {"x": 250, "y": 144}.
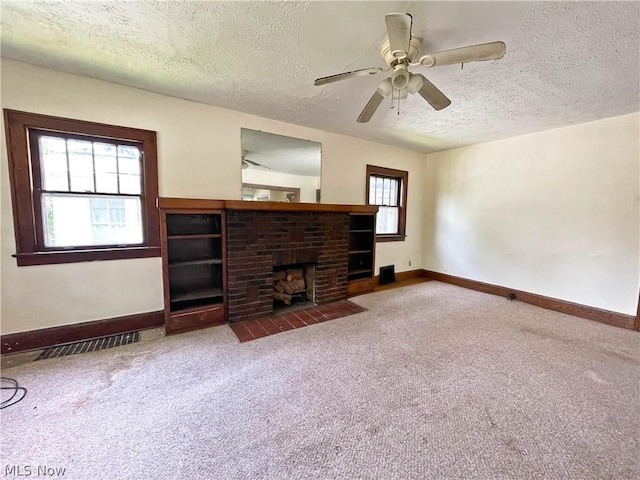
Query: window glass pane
{"x": 80, "y": 165}
{"x": 82, "y": 220}
{"x": 372, "y": 190}
{"x": 98, "y": 210}
{"x": 384, "y": 191}
{"x": 116, "y": 212}
{"x": 106, "y": 164}
{"x": 104, "y": 150}
{"x": 129, "y": 159}
{"x": 379, "y": 187}
{"x": 387, "y": 220}
{"x": 130, "y": 184}
{"x": 106, "y": 182}
{"x": 129, "y": 168}
{"x": 53, "y": 164}
{"x": 393, "y": 196}
{"x": 386, "y": 198}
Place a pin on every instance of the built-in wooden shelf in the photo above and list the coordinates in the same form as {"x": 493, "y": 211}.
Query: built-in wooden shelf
{"x": 193, "y": 244}
{"x": 197, "y": 294}
{"x": 205, "y": 261}
{"x": 360, "y": 271}
{"x": 194, "y": 236}
{"x": 362, "y": 243}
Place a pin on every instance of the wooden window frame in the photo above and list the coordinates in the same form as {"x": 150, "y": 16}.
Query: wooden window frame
{"x": 29, "y": 250}
{"x": 403, "y": 177}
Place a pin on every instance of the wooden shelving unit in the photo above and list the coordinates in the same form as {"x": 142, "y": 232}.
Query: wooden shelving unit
{"x": 194, "y": 266}
{"x": 362, "y": 244}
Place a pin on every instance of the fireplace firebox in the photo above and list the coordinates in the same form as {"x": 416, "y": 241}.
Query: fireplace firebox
{"x": 294, "y": 284}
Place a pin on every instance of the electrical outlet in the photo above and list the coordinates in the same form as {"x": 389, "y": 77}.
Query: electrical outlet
{"x": 409, "y": 262}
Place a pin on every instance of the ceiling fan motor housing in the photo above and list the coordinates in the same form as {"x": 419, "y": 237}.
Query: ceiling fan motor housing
{"x": 414, "y": 48}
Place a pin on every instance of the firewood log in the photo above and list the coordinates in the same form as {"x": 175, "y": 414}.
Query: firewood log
{"x": 279, "y": 275}
{"x": 284, "y": 287}
{"x": 282, "y": 296}
{"x": 288, "y": 288}
{"x": 295, "y": 274}
{"x": 298, "y": 285}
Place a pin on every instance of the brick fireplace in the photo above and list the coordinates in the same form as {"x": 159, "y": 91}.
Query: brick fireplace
{"x": 260, "y": 238}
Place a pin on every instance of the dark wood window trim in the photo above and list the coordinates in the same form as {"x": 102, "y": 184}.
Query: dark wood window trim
{"x": 17, "y": 126}
{"x": 403, "y": 176}
{"x": 637, "y": 323}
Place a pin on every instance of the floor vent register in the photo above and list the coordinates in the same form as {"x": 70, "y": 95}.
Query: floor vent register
{"x": 90, "y": 345}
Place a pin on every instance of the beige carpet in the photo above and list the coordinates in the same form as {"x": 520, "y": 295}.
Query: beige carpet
{"x": 432, "y": 382}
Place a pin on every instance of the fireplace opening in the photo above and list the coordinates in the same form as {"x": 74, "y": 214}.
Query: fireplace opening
{"x": 293, "y": 287}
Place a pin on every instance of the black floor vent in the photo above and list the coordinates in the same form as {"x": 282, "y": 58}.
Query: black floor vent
{"x": 90, "y": 345}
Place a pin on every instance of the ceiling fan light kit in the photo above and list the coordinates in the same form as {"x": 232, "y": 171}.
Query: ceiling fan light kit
{"x": 398, "y": 51}
{"x": 400, "y": 77}
{"x": 246, "y": 163}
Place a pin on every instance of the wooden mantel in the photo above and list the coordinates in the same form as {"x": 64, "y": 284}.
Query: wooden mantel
{"x": 264, "y": 206}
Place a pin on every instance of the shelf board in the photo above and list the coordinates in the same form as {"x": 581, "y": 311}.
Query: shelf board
{"x": 350, "y": 273}
{"x": 361, "y": 231}
{"x": 354, "y": 252}
{"x": 206, "y": 261}
{"x": 197, "y": 294}
{"x": 202, "y": 308}
{"x": 194, "y": 236}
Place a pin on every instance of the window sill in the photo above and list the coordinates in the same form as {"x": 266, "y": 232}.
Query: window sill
{"x": 75, "y": 256}
{"x": 390, "y": 238}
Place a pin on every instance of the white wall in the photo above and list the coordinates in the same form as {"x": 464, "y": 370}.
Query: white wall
{"x": 198, "y": 152}
{"x": 553, "y": 213}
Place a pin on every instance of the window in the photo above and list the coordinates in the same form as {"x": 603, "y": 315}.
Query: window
{"x": 81, "y": 191}
{"x": 387, "y": 188}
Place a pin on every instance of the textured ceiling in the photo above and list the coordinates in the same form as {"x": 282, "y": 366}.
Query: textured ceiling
{"x": 566, "y": 62}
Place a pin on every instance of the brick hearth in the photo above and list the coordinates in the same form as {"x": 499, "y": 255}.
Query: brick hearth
{"x": 258, "y": 240}
{"x": 262, "y": 327}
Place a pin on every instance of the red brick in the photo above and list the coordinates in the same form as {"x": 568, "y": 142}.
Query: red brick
{"x": 284, "y": 238}
{"x": 256, "y": 329}
{"x": 295, "y": 320}
{"x": 268, "y": 325}
{"x": 242, "y": 332}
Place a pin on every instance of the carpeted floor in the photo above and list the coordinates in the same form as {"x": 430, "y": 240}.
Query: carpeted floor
{"x": 431, "y": 382}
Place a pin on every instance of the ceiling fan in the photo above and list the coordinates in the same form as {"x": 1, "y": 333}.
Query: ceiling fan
{"x": 399, "y": 50}
{"x": 246, "y": 163}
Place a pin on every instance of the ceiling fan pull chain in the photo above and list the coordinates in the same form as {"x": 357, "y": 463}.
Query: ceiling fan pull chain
{"x": 461, "y": 66}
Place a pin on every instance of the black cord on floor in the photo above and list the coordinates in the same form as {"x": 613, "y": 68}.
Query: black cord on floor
{"x": 16, "y": 388}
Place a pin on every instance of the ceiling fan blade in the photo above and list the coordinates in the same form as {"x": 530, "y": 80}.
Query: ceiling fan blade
{"x": 255, "y": 163}
{"x": 343, "y": 76}
{"x": 474, "y": 53}
{"x": 371, "y": 107}
{"x": 433, "y": 95}
{"x": 399, "y": 32}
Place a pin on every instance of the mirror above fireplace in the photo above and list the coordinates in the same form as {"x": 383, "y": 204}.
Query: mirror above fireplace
{"x": 277, "y": 168}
